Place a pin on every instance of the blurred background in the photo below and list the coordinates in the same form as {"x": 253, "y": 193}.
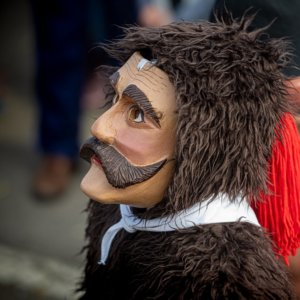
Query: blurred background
{"x": 48, "y": 101}
{"x": 46, "y": 108}
{"x": 40, "y": 243}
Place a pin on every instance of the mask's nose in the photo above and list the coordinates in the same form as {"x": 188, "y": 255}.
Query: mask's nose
{"x": 103, "y": 128}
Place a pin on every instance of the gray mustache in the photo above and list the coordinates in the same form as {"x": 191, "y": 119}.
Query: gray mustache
{"x": 119, "y": 172}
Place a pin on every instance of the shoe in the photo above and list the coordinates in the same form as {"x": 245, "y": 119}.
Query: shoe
{"x": 52, "y": 177}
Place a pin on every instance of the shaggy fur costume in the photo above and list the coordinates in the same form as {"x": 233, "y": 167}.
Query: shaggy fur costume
{"x": 230, "y": 96}
{"x": 217, "y": 261}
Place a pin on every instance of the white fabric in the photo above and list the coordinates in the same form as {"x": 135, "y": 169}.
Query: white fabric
{"x": 220, "y": 210}
{"x": 142, "y": 63}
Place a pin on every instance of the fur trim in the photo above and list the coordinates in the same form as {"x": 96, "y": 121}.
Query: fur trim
{"x": 218, "y": 261}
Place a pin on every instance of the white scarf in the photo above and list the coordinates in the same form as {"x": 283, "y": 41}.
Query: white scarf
{"x": 220, "y": 210}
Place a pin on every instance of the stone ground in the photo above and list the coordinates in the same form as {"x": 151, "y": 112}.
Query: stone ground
{"x": 39, "y": 243}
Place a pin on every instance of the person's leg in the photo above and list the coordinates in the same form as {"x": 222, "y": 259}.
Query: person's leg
{"x": 61, "y": 47}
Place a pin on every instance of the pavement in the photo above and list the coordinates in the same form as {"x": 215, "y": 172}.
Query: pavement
{"x": 39, "y": 243}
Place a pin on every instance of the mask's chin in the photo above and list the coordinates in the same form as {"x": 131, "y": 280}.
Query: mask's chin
{"x": 142, "y": 195}
{"x": 95, "y": 185}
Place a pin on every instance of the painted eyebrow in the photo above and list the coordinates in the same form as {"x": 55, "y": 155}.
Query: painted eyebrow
{"x": 133, "y": 92}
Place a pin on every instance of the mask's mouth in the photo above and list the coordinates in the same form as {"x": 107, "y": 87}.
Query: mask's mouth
{"x": 96, "y": 160}
{"x": 119, "y": 172}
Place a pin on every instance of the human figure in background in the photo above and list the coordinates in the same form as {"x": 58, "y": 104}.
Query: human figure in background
{"x": 63, "y": 38}
{"x": 60, "y": 52}
{"x": 161, "y": 12}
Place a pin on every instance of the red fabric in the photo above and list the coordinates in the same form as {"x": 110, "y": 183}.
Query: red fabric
{"x": 279, "y": 210}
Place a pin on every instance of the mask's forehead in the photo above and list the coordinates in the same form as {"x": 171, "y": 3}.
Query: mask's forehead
{"x": 143, "y": 72}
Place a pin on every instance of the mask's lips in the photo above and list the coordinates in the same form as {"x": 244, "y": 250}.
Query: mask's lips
{"x": 96, "y": 160}
{"x": 119, "y": 172}
{"x": 88, "y": 152}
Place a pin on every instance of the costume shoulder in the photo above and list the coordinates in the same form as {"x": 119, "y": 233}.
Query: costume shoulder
{"x": 216, "y": 261}
{"x": 100, "y": 218}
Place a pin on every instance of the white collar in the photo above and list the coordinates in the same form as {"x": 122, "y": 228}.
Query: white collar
{"x": 219, "y": 210}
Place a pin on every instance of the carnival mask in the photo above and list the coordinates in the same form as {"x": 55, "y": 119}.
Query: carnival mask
{"x": 132, "y": 148}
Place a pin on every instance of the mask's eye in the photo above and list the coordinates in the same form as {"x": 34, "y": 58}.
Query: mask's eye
{"x": 136, "y": 114}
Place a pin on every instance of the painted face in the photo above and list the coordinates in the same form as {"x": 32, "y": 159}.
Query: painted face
{"x": 132, "y": 149}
